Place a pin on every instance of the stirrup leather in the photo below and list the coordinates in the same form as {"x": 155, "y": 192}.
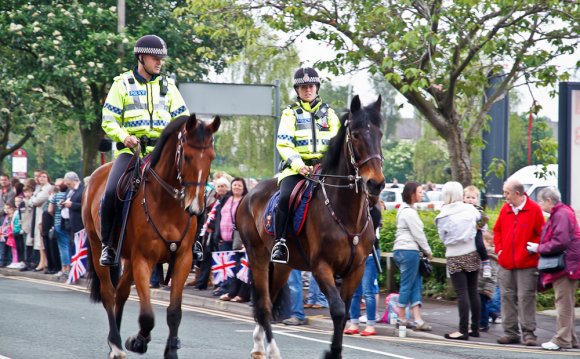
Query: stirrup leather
{"x": 281, "y": 243}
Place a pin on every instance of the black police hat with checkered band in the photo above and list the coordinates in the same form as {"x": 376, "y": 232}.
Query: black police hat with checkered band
{"x": 150, "y": 45}
{"x": 305, "y": 76}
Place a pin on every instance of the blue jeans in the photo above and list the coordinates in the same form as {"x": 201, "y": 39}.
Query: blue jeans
{"x": 411, "y": 289}
{"x": 62, "y": 240}
{"x": 484, "y": 319}
{"x": 4, "y": 249}
{"x": 366, "y": 289}
{"x": 296, "y": 295}
{"x": 315, "y": 296}
{"x": 494, "y": 305}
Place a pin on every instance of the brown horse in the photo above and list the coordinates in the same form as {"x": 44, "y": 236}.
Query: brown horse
{"x": 162, "y": 220}
{"x": 336, "y": 237}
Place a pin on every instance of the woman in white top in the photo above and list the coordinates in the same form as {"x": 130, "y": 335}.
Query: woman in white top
{"x": 456, "y": 224}
{"x": 410, "y": 240}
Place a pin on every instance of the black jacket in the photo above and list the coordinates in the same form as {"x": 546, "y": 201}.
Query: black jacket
{"x": 76, "y": 220}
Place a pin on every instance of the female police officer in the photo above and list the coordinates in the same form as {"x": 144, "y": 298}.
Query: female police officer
{"x": 139, "y": 105}
{"x": 305, "y": 129}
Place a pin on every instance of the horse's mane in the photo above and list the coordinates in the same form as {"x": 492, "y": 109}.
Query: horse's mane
{"x": 359, "y": 119}
{"x": 173, "y": 127}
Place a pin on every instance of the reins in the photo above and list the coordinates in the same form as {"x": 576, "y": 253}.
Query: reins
{"x": 175, "y": 193}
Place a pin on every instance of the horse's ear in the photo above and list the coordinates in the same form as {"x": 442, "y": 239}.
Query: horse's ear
{"x": 191, "y": 122}
{"x": 377, "y": 104}
{"x": 215, "y": 124}
{"x": 355, "y": 104}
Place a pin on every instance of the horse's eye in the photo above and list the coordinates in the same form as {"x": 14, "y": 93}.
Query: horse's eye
{"x": 187, "y": 159}
{"x": 355, "y": 136}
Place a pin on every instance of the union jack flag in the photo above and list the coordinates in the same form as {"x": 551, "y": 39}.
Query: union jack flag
{"x": 223, "y": 266}
{"x": 244, "y": 271}
{"x": 79, "y": 260}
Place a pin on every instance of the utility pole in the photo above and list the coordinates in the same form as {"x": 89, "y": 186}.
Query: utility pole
{"x": 121, "y": 23}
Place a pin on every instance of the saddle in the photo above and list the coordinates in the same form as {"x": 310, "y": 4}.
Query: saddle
{"x": 299, "y": 204}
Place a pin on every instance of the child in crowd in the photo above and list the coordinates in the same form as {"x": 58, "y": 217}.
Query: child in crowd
{"x": 8, "y": 233}
{"x": 487, "y": 285}
{"x": 471, "y": 195}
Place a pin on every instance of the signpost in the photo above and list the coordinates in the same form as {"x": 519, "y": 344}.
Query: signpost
{"x": 20, "y": 164}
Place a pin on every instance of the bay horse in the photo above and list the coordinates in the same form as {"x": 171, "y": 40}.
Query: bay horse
{"x": 336, "y": 237}
{"x": 162, "y": 223}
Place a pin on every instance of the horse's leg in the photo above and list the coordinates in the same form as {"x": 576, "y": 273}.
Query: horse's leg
{"x": 106, "y": 294}
{"x": 142, "y": 273}
{"x": 339, "y": 303}
{"x": 280, "y": 276}
{"x": 178, "y": 278}
{"x": 123, "y": 291}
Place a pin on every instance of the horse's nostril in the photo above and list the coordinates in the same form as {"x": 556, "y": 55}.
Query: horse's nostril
{"x": 375, "y": 187}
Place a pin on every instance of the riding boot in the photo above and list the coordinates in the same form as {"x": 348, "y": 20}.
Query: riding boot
{"x": 108, "y": 253}
{"x": 280, "y": 250}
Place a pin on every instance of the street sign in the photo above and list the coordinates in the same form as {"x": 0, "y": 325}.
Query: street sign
{"x": 20, "y": 164}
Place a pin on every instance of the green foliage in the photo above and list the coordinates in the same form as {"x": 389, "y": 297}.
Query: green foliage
{"x": 398, "y": 161}
{"x": 430, "y": 161}
{"x": 544, "y": 146}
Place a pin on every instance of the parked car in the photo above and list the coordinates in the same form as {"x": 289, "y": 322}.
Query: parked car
{"x": 391, "y": 198}
{"x": 431, "y": 201}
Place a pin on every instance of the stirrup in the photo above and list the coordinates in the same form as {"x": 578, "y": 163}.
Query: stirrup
{"x": 281, "y": 243}
{"x": 198, "y": 251}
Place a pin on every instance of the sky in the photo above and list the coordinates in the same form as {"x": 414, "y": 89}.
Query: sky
{"x": 311, "y": 51}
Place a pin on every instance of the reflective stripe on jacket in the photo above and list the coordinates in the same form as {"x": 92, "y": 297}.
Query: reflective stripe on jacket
{"x": 139, "y": 108}
{"x": 299, "y": 140}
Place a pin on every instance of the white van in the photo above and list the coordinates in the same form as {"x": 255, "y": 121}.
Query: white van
{"x": 532, "y": 184}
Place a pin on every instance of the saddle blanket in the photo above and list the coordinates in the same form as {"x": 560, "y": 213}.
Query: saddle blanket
{"x": 298, "y": 217}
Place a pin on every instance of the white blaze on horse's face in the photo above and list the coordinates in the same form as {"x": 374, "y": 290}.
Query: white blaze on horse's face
{"x": 195, "y": 204}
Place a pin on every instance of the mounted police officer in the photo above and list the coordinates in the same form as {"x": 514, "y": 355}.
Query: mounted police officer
{"x": 140, "y": 103}
{"x": 306, "y": 128}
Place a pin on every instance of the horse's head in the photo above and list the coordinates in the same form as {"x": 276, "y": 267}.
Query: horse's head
{"x": 363, "y": 142}
{"x": 194, "y": 155}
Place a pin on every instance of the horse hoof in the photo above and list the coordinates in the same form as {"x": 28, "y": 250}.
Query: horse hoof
{"x": 137, "y": 343}
{"x": 331, "y": 355}
{"x": 171, "y": 348}
{"x": 258, "y": 355}
{"x": 117, "y": 355}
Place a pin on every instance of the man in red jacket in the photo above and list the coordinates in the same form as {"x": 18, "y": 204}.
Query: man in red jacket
{"x": 520, "y": 221}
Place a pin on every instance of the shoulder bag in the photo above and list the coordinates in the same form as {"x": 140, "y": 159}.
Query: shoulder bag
{"x": 551, "y": 263}
{"x": 425, "y": 266}
{"x": 236, "y": 238}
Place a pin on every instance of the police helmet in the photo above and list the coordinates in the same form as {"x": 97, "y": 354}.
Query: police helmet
{"x": 150, "y": 45}
{"x": 305, "y": 76}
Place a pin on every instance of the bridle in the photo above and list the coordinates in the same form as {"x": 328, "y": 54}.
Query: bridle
{"x": 178, "y": 193}
{"x": 353, "y": 180}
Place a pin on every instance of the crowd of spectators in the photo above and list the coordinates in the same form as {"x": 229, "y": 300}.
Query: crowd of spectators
{"x": 39, "y": 219}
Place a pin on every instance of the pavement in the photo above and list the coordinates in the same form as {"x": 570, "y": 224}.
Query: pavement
{"x": 441, "y": 314}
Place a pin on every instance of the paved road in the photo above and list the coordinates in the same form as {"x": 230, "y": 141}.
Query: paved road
{"x": 43, "y": 319}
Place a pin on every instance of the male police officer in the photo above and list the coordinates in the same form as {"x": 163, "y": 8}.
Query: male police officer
{"x": 139, "y": 105}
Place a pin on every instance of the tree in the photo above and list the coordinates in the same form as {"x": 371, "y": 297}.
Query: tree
{"x": 438, "y": 53}
{"x": 245, "y": 145}
{"x": 72, "y": 50}
{"x": 542, "y": 142}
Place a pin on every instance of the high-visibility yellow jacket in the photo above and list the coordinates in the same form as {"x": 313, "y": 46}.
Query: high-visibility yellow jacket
{"x": 298, "y": 140}
{"x": 135, "y": 106}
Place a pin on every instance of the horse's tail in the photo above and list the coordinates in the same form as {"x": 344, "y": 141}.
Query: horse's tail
{"x": 93, "y": 278}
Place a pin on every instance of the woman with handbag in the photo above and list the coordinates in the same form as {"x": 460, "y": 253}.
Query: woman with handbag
{"x": 560, "y": 237}
{"x": 410, "y": 241}
{"x": 456, "y": 224}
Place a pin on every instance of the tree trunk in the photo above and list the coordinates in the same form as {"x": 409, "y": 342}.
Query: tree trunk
{"x": 459, "y": 157}
{"x": 91, "y": 135}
